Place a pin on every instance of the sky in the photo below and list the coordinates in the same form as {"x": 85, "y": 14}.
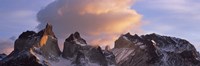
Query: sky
{"x": 177, "y": 18}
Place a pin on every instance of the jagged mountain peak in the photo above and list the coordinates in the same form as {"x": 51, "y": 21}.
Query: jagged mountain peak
{"x": 125, "y": 40}
{"x": 81, "y": 54}
{"x": 27, "y": 34}
{"x": 77, "y": 35}
{"x": 44, "y": 43}
{"x": 155, "y": 50}
{"x": 48, "y": 30}
{"x": 130, "y": 37}
{"x": 48, "y": 43}
{"x": 70, "y": 38}
{"x": 76, "y": 38}
{"x": 128, "y": 34}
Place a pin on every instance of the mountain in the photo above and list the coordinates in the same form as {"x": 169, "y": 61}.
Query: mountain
{"x": 2, "y": 56}
{"x": 41, "y": 49}
{"x": 28, "y": 44}
{"x": 81, "y": 54}
{"x": 154, "y": 50}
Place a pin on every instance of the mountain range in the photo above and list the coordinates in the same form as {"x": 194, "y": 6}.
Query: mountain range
{"x": 41, "y": 49}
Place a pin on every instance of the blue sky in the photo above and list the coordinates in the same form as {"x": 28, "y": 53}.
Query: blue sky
{"x": 19, "y": 15}
{"x": 178, "y": 18}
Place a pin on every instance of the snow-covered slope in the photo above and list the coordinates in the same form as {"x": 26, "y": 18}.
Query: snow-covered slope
{"x": 154, "y": 50}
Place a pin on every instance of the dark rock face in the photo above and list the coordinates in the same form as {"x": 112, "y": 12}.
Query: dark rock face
{"x": 2, "y": 56}
{"x": 23, "y": 58}
{"x": 49, "y": 44}
{"x": 25, "y": 41}
{"x": 43, "y": 43}
{"x": 109, "y": 57}
{"x": 81, "y": 54}
{"x": 72, "y": 45}
{"x": 154, "y": 50}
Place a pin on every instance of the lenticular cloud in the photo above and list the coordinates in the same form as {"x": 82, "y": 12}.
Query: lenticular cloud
{"x": 99, "y": 21}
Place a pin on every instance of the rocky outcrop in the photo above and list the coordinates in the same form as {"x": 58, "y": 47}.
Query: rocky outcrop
{"x": 110, "y": 57}
{"x": 2, "y": 56}
{"x": 81, "y": 54}
{"x": 154, "y": 50}
{"x": 43, "y": 43}
{"x": 22, "y": 58}
{"x": 72, "y": 45}
{"x": 48, "y": 44}
{"x": 25, "y": 41}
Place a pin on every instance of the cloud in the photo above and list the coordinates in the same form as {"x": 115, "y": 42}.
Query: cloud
{"x": 99, "y": 21}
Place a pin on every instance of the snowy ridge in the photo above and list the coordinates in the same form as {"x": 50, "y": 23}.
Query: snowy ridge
{"x": 155, "y": 50}
{"x": 79, "y": 42}
{"x": 177, "y": 46}
{"x": 39, "y": 57}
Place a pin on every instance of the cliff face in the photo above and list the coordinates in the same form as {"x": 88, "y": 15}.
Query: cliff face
{"x": 48, "y": 44}
{"x": 154, "y": 50}
{"x": 43, "y": 43}
{"x": 81, "y": 54}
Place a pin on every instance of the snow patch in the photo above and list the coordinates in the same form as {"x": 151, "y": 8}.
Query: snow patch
{"x": 139, "y": 43}
{"x": 77, "y": 42}
{"x": 143, "y": 46}
{"x": 62, "y": 62}
{"x": 154, "y": 43}
{"x": 39, "y": 57}
{"x": 125, "y": 38}
{"x": 165, "y": 58}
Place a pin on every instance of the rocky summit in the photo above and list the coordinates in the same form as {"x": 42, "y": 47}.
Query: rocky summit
{"x": 81, "y": 54}
{"x": 28, "y": 44}
{"x": 154, "y": 50}
{"x": 41, "y": 49}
